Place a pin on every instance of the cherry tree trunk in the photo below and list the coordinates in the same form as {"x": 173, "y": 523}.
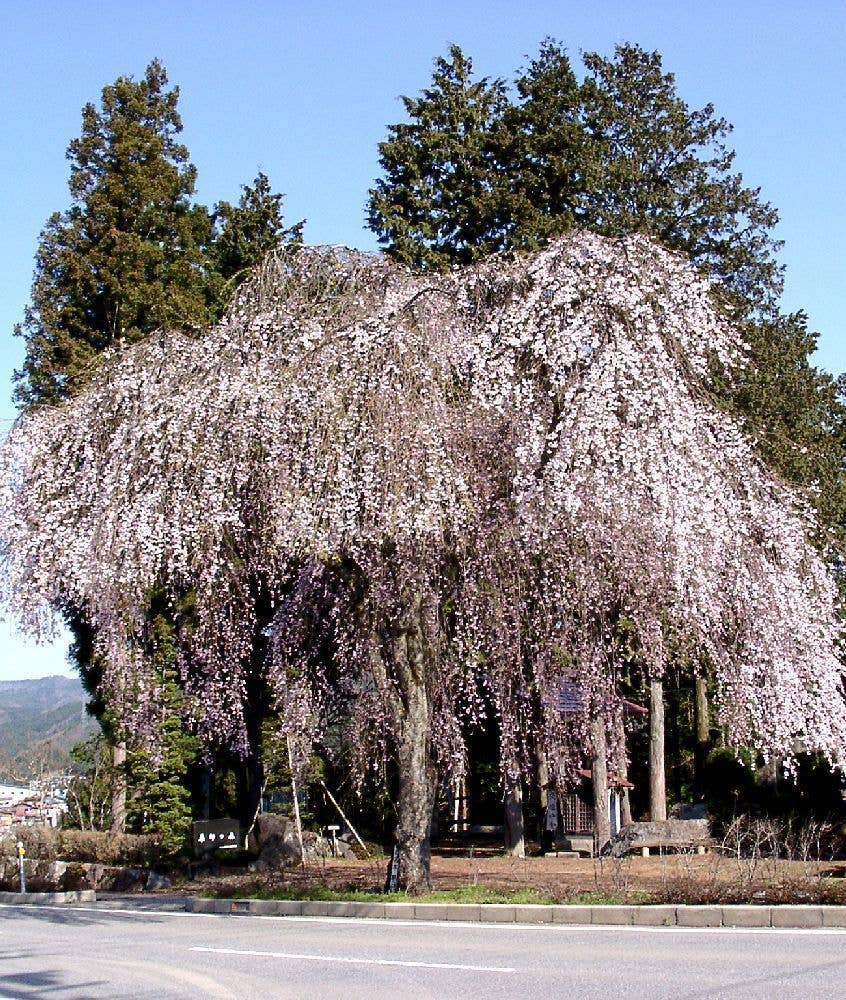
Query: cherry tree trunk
{"x": 515, "y": 843}
{"x": 546, "y": 837}
{"x": 599, "y": 776}
{"x": 703, "y": 731}
{"x": 118, "y": 797}
{"x": 417, "y": 775}
{"x": 657, "y": 775}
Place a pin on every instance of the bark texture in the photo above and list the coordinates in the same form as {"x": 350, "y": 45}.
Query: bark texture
{"x": 625, "y": 799}
{"x": 703, "y": 731}
{"x": 515, "y": 843}
{"x": 118, "y": 823}
{"x": 599, "y": 776}
{"x": 417, "y": 776}
{"x": 657, "y": 774}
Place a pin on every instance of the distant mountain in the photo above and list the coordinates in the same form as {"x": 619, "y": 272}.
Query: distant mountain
{"x": 40, "y": 720}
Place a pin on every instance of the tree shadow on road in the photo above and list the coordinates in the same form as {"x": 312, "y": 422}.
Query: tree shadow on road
{"x": 25, "y": 985}
{"x": 74, "y": 915}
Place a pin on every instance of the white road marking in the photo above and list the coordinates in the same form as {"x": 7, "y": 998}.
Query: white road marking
{"x": 354, "y": 961}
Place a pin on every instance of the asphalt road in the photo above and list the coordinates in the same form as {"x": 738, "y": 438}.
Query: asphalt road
{"x": 84, "y": 953}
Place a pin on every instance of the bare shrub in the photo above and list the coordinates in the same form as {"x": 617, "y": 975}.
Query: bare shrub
{"x": 40, "y": 842}
{"x": 136, "y": 850}
{"x": 46, "y": 844}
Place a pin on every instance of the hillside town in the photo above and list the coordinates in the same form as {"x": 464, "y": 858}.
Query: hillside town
{"x": 42, "y": 803}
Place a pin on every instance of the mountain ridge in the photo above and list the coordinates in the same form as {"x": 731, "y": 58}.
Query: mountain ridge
{"x": 40, "y": 720}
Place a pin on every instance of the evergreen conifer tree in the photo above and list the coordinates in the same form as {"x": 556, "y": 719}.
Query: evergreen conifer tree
{"x": 444, "y": 198}
{"x": 249, "y": 230}
{"x": 128, "y": 255}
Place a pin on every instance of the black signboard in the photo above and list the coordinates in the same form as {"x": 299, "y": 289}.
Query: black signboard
{"x": 551, "y": 811}
{"x": 215, "y": 835}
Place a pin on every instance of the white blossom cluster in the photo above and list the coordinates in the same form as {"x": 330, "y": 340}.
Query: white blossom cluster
{"x": 531, "y": 443}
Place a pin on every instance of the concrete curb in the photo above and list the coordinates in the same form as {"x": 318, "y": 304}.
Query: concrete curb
{"x": 800, "y": 916}
{"x": 78, "y": 896}
{"x": 658, "y": 915}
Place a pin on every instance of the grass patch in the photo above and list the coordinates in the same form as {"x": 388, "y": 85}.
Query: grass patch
{"x": 466, "y": 894}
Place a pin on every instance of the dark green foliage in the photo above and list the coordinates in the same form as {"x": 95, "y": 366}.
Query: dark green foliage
{"x": 444, "y": 198}
{"x": 134, "y": 253}
{"x": 159, "y": 801}
{"x": 247, "y": 231}
{"x": 128, "y": 255}
{"x": 796, "y": 414}
{"x": 729, "y": 783}
{"x": 660, "y": 167}
{"x": 735, "y": 787}
{"x": 473, "y": 171}
{"x": 157, "y": 774}
{"x": 549, "y": 158}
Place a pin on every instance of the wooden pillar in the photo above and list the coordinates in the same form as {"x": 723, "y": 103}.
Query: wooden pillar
{"x": 674, "y": 769}
{"x": 625, "y": 801}
{"x": 464, "y": 805}
{"x": 546, "y": 838}
{"x": 657, "y": 774}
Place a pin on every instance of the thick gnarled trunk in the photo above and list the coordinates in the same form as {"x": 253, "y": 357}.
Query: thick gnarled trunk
{"x": 417, "y": 776}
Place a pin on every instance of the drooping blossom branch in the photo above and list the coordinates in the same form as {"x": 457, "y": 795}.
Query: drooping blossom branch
{"x": 527, "y": 453}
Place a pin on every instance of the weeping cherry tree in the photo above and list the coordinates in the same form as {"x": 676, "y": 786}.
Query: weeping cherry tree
{"x": 414, "y": 504}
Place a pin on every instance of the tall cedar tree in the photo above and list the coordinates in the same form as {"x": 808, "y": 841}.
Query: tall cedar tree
{"x": 132, "y": 254}
{"x": 548, "y": 154}
{"x": 249, "y": 230}
{"x": 127, "y": 256}
{"x": 473, "y": 172}
{"x": 662, "y": 168}
{"x": 444, "y": 198}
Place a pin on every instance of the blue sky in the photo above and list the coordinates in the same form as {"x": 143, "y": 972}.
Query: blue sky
{"x": 305, "y": 92}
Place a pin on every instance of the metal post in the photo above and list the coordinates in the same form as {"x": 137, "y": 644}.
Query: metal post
{"x": 21, "y": 852}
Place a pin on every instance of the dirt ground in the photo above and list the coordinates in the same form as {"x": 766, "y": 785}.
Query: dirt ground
{"x": 671, "y": 877}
